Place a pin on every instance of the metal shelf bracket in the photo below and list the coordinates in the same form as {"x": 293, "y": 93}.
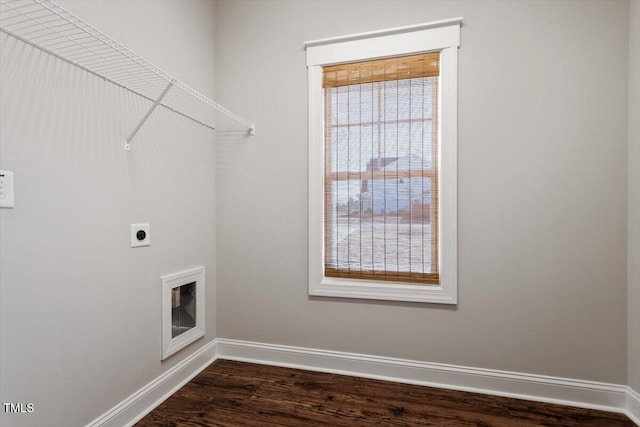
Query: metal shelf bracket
{"x": 127, "y": 142}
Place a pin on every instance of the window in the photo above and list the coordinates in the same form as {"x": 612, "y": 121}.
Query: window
{"x": 382, "y": 184}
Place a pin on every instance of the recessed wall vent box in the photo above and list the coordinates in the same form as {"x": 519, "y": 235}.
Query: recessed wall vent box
{"x": 183, "y": 313}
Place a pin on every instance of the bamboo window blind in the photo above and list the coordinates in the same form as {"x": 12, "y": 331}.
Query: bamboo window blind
{"x": 381, "y": 169}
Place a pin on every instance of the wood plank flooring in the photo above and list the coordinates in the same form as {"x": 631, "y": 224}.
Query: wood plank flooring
{"x": 231, "y": 393}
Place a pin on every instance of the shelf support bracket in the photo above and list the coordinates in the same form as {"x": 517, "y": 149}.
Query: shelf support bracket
{"x": 127, "y": 143}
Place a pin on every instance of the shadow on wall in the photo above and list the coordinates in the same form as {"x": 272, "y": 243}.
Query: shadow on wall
{"x": 229, "y": 146}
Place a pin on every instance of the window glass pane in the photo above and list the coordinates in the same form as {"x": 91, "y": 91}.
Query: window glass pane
{"x": 381, "y": 180}
{"x": 381, "y": 225}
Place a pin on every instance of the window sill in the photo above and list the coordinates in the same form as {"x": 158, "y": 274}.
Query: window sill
{"x": 387, "y": 291}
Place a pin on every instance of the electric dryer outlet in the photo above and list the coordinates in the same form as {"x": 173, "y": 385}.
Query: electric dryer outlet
{"x": 140, "y": 235}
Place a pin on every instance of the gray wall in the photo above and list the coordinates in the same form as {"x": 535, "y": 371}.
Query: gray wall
{"x": 633, "y": 257}
{"x": 542, "y": 187}
{"x": 79, "y": 309}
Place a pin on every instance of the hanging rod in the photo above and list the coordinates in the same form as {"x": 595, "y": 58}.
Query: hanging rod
{"x": 55, "y": 30}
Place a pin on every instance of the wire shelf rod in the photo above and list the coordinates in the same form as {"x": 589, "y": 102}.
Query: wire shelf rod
{"x": 51, "y": 28}
{"x": 62, "y": 35}
{"x": 109, "y": 80}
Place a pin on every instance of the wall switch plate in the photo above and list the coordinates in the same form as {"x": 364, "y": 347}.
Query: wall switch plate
{"x": 140, "y": 235}
{"x": 6, "y": 189}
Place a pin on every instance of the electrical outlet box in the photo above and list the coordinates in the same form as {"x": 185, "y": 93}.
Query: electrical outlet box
{"x": 140, "y": 235}
{"x": 6, "y": 189}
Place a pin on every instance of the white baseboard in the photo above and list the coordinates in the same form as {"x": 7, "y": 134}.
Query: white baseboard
{"x": 135, "y": 407}
{"x": 563, "y": 391}
{"x": 633, "y": 405}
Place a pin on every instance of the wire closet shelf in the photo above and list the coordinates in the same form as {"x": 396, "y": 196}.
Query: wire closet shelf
{"x": 55, "y": 30}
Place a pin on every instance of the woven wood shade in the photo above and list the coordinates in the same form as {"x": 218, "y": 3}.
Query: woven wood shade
{"x": 405, "y": 67}
{"x": 381, "y": 169}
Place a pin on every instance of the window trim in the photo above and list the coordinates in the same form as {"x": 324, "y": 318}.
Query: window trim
{"x": 445, "y": 37}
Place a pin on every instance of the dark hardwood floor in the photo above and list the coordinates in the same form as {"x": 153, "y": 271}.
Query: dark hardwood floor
{"x": 231, "y": 393}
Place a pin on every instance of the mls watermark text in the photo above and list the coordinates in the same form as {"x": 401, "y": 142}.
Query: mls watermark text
{"x": 18, "y": 408}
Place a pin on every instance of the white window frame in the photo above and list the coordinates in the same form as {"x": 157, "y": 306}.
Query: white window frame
{"x": 443, "y": 36}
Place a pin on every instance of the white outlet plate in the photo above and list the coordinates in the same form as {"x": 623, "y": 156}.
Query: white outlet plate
{"x": 6, "y": 189}
{"x": 135, "y": 241}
